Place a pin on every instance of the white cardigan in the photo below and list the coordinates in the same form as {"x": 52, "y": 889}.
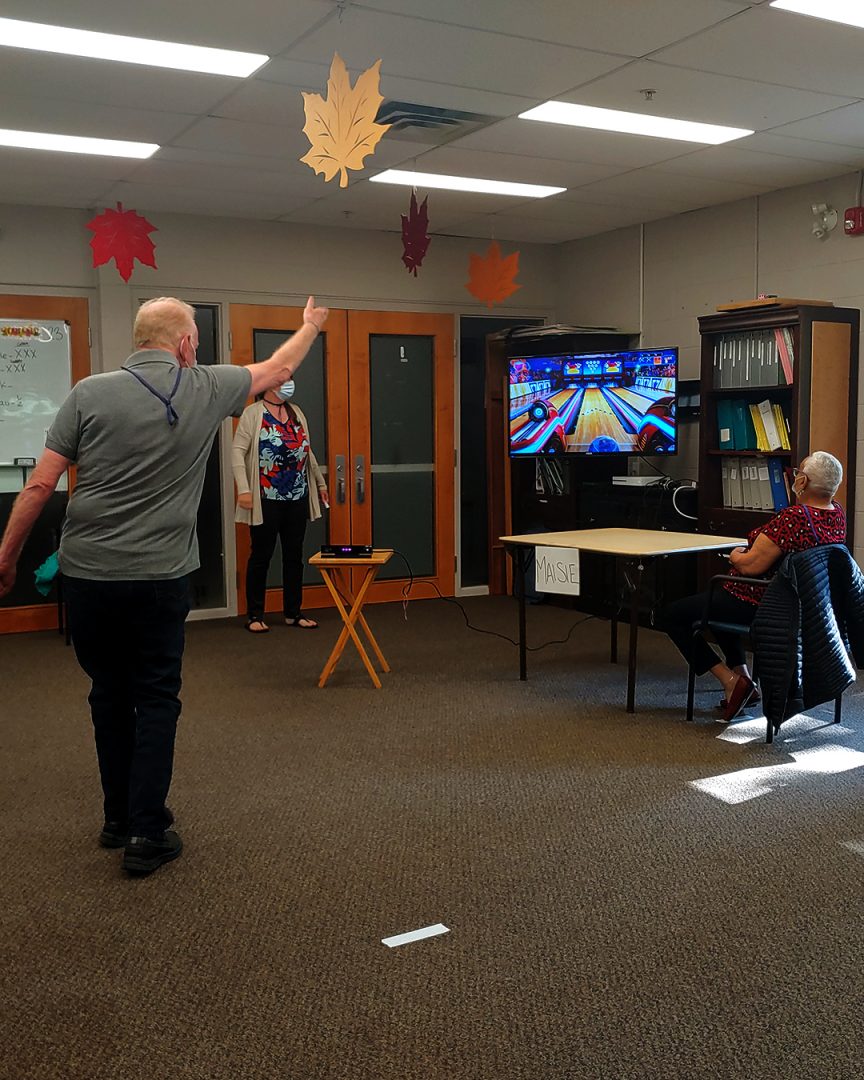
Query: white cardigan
{"x": 244, "y": 463}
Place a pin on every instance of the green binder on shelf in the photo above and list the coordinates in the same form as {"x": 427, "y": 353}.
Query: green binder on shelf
{"x": 725, "y": 425}
{"x": 744, "y": 433}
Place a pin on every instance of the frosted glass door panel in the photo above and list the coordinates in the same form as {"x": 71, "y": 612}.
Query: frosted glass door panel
{"x": 401, "y": 478}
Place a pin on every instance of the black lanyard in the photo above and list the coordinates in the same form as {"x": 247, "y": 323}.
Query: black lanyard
{"x": 170, "y": 411}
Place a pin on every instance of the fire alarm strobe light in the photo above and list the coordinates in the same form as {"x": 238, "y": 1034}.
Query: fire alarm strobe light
{"x": 853, "y": 221}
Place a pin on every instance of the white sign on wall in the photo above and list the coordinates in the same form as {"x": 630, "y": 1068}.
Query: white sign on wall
{"x": 556, "y": 570}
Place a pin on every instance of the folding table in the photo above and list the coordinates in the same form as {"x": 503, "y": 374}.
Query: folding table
{"x": 337, "y": 578}
{"x": 635, "y": 547}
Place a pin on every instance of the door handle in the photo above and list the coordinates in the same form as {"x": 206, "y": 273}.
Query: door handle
{"x": 360, "y": 477}
{"x": 340, "y": 478}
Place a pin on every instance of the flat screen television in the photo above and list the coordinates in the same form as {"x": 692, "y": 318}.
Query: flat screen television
{"x": 594, "y": 403}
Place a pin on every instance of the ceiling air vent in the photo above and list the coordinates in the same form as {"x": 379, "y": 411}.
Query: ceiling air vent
{"x": 425, "y": 123}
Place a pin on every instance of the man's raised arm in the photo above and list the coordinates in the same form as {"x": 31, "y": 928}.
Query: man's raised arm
{"x": 26, "y": 509}
{"x": 289, "y": 356}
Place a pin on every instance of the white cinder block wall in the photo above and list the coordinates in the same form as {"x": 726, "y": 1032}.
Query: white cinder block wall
{"x": 658, "y": 278}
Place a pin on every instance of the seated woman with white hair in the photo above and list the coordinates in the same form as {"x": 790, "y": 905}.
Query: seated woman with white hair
{"x": 813, "y": 520}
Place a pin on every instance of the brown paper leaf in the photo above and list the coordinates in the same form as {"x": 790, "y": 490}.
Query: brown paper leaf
{"x": 492, "y": 279}
{"x": 342, "y": 128}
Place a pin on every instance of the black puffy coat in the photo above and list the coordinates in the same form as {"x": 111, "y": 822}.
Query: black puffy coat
{"x": 808, "y": 628}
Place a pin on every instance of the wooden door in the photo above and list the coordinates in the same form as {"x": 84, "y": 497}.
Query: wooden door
{"x": 322, "y": 394}
{"x": 402, "y": 457}
{"x": 386, "y": 419}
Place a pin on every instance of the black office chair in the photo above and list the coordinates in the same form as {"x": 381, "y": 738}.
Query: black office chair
{"x": 705, "y": 626}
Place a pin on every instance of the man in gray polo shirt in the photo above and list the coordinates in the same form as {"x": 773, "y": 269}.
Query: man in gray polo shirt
{"x": 140, "y": 438}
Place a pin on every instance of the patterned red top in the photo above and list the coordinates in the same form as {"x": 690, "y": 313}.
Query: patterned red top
{"x": 794, "y": 529}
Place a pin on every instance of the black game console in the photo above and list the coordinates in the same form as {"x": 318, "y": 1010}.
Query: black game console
{"x": 346, "y": 551}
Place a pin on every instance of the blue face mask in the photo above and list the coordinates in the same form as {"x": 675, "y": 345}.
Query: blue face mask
{"x": 286, "y": 391}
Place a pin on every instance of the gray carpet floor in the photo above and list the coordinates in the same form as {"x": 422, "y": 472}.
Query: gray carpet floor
{"x": 627, "y": 896}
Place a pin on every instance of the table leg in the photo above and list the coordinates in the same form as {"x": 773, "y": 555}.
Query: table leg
{"x": 637, "y": 568}
{"x": 521, "y": 564}
{"x": 348, "y": 629}
{"x": 371, "y": 638}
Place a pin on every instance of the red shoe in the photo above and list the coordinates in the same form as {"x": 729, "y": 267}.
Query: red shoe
{"x": 741, "y": 692}
{"x": 754, "y": 699}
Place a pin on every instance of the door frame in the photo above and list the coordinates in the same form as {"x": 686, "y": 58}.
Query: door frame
{"x": 74, "y": 310}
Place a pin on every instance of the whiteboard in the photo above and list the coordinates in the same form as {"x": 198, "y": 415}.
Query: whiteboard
{"x": 35, "y": 379}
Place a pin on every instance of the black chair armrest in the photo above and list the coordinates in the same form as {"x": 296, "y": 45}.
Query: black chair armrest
{"x": 716, "y": 582}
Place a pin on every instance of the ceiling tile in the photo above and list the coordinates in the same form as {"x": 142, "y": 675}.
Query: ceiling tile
{"x": 272, "y": 26}
{"x": 584, "y": 213}
{"x": 295, "y": 182}
{"x": 422, "y": 49}
{"x": 785, "y": 146}
{"x": 786, "y": 49}
{"x": 102, "y": 82}
{"x": 516, "y": 230}
{"x": 631, "y": 27}
{"x": 186, "y": 200}
{"x": 733, "y": 162}
{"x": 303, "y": 75}
{"x": 459, "y": 161}
{"x": 22, "y": 167}
{"x": 51, "y": 191}
{"x": 559, "y": 142}
{"x": 366, "y": 205}
{"x": 99, "y": 121}
{"x": 702, "y": 96}
{"x": 679, "y": 193}
{"x": 844, "y": 126}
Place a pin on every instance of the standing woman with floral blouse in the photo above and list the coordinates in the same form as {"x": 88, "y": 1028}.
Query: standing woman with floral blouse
{"x": 279, "y": 488}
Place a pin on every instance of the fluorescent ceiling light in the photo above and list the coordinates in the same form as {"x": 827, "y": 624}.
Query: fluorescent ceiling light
{"x": 74, "y": 144}
{"x": 128, "y": 50}
{"x": 465, "y": 183}
{"x": 660, "y": 127}
{"x": 842, "y": 11}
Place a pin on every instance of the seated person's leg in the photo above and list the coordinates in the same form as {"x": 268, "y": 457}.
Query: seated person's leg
{"x": 677, "y": 621}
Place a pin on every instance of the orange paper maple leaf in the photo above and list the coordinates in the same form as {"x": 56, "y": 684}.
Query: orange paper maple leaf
{"x": 492, "y": 278}
{"x": 342, "y": 128}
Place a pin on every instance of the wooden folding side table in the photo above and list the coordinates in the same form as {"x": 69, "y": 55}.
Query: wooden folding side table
{"x": 337, "y": 578}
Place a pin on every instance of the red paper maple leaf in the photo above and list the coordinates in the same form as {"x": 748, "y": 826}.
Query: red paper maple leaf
{"x": 491, "y": 277}
{"x": 415, "y": 242}
{"x": 122, "y": 235}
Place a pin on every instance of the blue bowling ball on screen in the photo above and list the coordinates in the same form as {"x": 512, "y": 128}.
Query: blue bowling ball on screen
{"x": 603, "y": 444}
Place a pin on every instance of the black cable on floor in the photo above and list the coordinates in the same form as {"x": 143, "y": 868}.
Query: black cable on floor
{"x": 477, "y": 629}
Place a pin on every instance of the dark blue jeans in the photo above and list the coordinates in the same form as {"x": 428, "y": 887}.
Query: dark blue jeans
{"x": 129, "y": 638}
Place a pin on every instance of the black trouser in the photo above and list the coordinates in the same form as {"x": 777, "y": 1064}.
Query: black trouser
{"x": 285, "y": 519}
{"x": 677, "y": 621}
{"x": 128, "y": 637}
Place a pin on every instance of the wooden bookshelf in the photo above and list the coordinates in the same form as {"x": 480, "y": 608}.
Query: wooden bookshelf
{"x": 821, "y": 402}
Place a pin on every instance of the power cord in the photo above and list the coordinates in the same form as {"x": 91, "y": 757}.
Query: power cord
{"x": 412, "y": 581}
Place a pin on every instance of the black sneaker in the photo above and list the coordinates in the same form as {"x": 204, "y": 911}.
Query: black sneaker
{"x": 144, "y": 855}
{"x": 115, "y": 833}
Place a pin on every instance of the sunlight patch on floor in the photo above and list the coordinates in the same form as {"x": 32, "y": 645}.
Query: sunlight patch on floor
{"x": 746, "y": 784}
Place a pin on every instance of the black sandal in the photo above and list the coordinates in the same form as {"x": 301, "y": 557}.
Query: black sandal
{"x": 250, "y": 622}
{"x": 296, "y": 622}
